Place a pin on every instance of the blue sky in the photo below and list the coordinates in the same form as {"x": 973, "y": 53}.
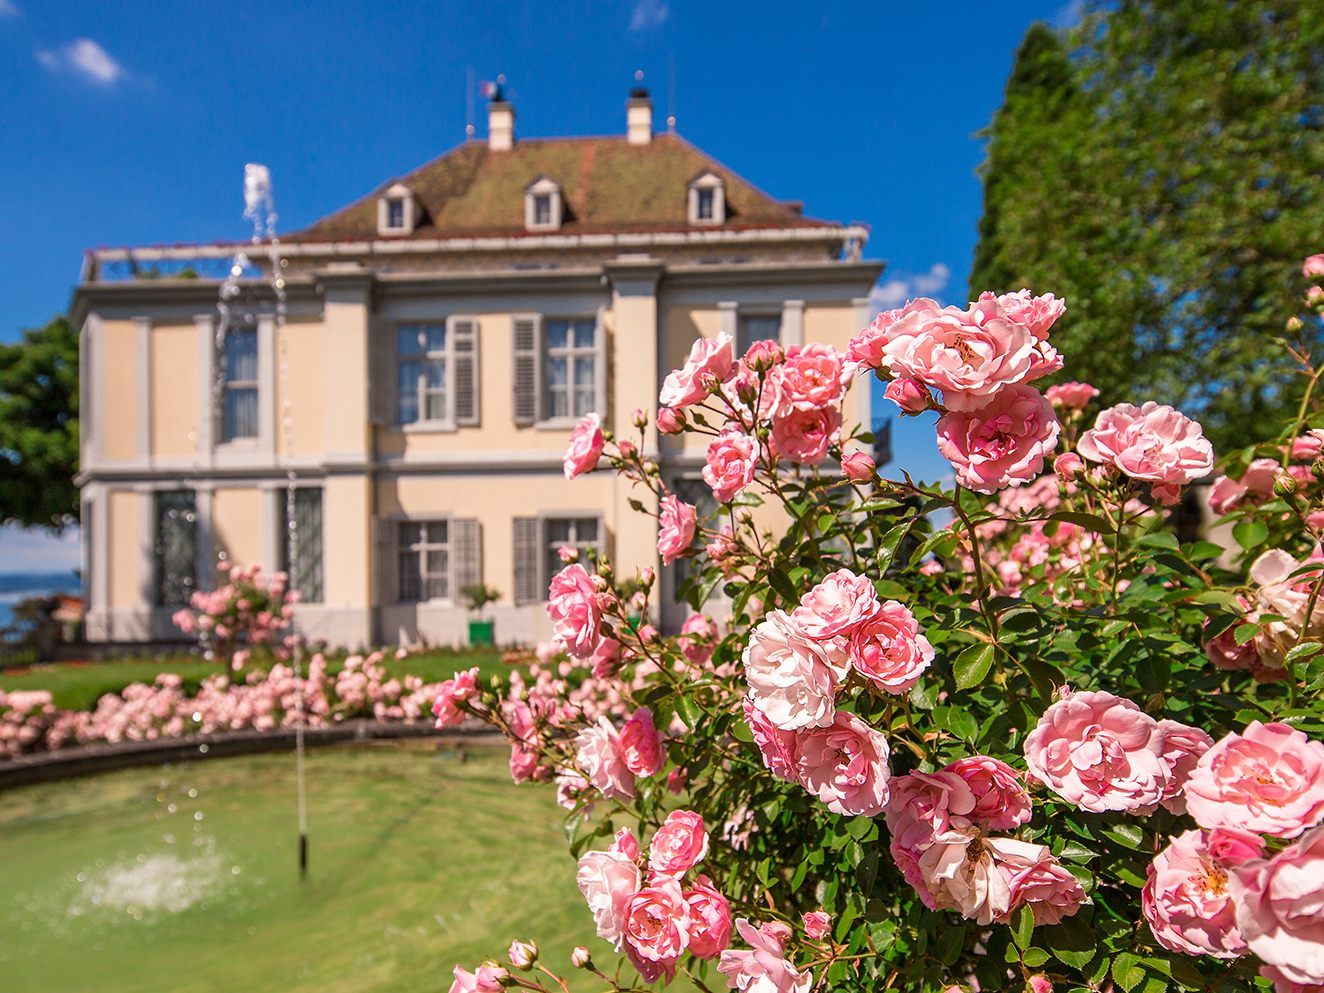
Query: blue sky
{"x": 131, "y": 123}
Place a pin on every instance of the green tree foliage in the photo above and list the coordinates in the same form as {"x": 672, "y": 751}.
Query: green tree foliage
{"x": 39, "y": 427}
{"x": 1159, "y": 166}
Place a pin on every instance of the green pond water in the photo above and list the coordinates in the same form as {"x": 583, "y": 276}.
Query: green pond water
{"x": 184, "y": 877}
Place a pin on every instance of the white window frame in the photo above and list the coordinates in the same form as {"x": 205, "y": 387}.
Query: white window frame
{"x": 419, "y": 552}
{"x": 228, "y": 384}
{"x": 598, "y": 353}
{"x": 540, "y": 188}
{"x": 707, "y": 182}
{"x": 447, "y": 355}
{"x": 404, "y": 196}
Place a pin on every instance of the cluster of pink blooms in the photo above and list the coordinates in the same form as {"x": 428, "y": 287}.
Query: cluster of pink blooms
{"x": 940, "y": 824}
{"x": 976, "y": 364}
{"x": 250, "y": 608}
{"x": 262, "y": 702}
{"x": 1277, "y": 607}
{"x": 796, "y": 664}
{"x": 1217, "y": 890}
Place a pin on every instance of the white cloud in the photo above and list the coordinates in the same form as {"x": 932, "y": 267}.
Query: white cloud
{"x": 9, "y": 9}
{"x": 83, "y": 57}
{"x": 894, "y": 292}
{"x": 647, "y": 14}
{"x": 34, "y": 550}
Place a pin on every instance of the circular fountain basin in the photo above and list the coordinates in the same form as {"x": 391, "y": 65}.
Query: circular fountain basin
{"x": 184, "y": 877}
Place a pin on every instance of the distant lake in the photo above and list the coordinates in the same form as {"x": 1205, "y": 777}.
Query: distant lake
{"x": 18, "y": 586}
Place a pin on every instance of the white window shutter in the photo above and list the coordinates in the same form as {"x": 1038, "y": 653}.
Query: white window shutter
{"x": 601, "y": 379}
{"x": 381, "y": 372}
{"x": 528, "y": 558}
{"x": 526, "y": 377}
{"x": 467, "y": 552}
{"x": 464, "y": 336}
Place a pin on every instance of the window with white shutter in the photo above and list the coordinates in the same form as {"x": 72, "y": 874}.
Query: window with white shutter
{"x": 467, "y": 552}
{"x": 526, "y": 377}
{"x": 437, "y": 373}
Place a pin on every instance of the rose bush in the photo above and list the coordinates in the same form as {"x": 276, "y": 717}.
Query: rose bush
{"x": 1023, "y": 734}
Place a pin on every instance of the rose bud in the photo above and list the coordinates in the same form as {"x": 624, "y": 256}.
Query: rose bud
{"x": 670, "y": 421}
{"x": 522, "y": 954}
{"x": 858, "y": 467}
{"x": 580, "y": 957}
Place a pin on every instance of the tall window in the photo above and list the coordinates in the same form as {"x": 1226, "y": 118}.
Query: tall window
{"x": 176, "y": 552}
{"x": 421, "y": 393}
{"x": 576, "y": 532}
{"x": 305, "y": 527}
{"x": 425, "y": 560}
{"x": 571, "y": 378}
{"x": 542, "y": 209}
{"x": 757, "y": 327}
{"x": 707, "y": 203}
{"x": 395, "y": 213}
{"x": 240, "y": 367}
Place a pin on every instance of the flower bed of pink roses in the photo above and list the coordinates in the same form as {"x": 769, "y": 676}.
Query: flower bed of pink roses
{"x": 1009, "y": 735}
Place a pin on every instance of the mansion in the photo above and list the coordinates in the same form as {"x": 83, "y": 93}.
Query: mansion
{"x": 433, "y": 345}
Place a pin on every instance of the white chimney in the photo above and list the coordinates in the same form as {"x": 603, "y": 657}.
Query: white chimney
{"x": 639, "y": 118}
{"x": 500, "y": 126}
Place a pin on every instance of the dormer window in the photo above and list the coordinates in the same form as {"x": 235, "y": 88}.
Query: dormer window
{"x": 397, "y": 213}
{"x": 542, "y": 205}
{"x": 707, "y": 199}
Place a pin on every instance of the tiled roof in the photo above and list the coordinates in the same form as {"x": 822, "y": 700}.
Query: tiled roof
{"x": 607, "y": 185}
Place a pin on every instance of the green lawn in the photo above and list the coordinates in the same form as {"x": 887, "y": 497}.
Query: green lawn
{"x": 419, "y": 861}
{"x": 78, "y": 685}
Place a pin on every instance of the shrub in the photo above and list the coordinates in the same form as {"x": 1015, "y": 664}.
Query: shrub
{"x": 1008, "y": 735}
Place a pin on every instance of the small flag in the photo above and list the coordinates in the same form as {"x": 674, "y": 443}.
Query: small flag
{"x": 491, "y": 91}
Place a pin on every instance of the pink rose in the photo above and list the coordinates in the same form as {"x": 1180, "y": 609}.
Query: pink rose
{"x": 1003, "y": 443}
{"x": 657, "y": 921}
{"x": 837, "y": 605}
{"x": 710, "y": 361}
{"x": 961, "y": 872}
{"x": 1154, "y": 443}
{"x": 1255, "y": 483}
{"x": 1039, "y": 983}
{"x": 858, "y": 467}
{"x": 675, "y": 528}
{"x": 1229, "y": 847}
{"x": 450, "y": 694}
{"x": 1000, "y": 800}
{"x": 1281, "y": 984}
{"x": 1307, "y": 447}
{"x": 1099, "y": 752}
{"x": 803, "y": 434}
{"x": 698, "y": 638}
{"x": 1182, "y": 748}
{"x": 912, "y": 396}
{"x": 1038, "y": 314}
{"x": 679, "y": 844}
{"x": 775, "y": 745}
{"x": 1036, "y": 879}
{"x": 763, "y": 355}
{"x": 608, "y": 880}
{"x": 522, "y": 954}
{"x": 1280, "y": 909}
{"x": 888, "y": 650}
{"x": 1313, "y": 266}
{"x": 813, "y": 376}
{"x": 1186, "y": 901}
{"x": 1071, "y": 396}
{"x": 817, "y": 925}
{"x": 487, "y": 979}
{"x": 670, "y": 421}
{"x": 792, "y": 677}
{"x": 1068, "y": 466}
{"x": 1269, "y": 779}
{"x": 586, "y": 443}
{"x": 970, "y": 355}
{"x": 710, "y": 919}
{"x": 764, "y": 968}
{"x": 624, "y": 842}
{"x": 572, "y": 605}
{"x": 730, "y": 463}
{"x": 600, "y": 757}
{"x": 641, "y": 745}
{"x": 844, "y": 765}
